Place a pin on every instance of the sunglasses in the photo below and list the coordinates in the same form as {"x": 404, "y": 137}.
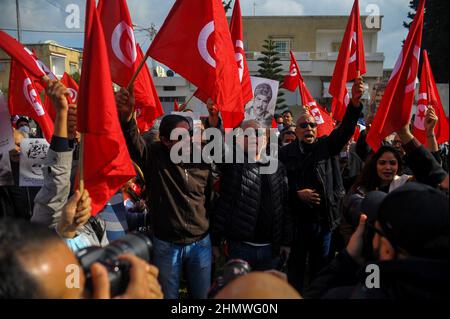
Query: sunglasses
{"x": 306, "y": 124}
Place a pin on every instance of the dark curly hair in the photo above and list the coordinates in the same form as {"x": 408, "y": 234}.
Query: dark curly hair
{"x": 368, "y": 180}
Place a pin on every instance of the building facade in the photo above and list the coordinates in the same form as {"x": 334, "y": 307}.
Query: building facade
{"x": 58, "y": 58}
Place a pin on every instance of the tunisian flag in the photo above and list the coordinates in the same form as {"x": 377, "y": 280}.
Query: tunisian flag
{"x": 291, "y": 80}
{"x": 237, "y": 37}
{"x": 120, "y": 40}
{"x": 72, "y": 98}
{"x": 148, "y": 106}
{"x": 325, "y": 123}
{"x": 107, "y": 164}
{"x": 350, "y": 60}
{"x": 21, "y": 54}
{"x": 429, "y": 95}
{"x": 196, "y": 43}
{"x": 294, "y": 79}
{"x": 24, "y": 99}
{"x": 396, "y": 105}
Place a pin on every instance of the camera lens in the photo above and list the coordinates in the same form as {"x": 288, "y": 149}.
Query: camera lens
{"x": 118, "y": 270}
{"x": 135, "y": 243}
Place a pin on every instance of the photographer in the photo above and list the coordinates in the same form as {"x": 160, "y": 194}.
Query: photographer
{"x": 410, "y": 247}
{"x": 34, "y": 263}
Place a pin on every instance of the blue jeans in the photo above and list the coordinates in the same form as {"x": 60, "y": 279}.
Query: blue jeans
{"x": 194, "y": 258}
{"x": 312, "y": 244}
{"x": 260, "y": 258}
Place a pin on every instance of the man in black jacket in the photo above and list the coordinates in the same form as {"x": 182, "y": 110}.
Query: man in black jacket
{"x": 316, "y": 187}
{"x": 179, "y": 200}
{"x": 251, "y": 212}
{"x": 410, "y": 247}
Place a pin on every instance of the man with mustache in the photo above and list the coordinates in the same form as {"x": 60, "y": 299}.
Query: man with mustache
{"x": 316, "y": 188}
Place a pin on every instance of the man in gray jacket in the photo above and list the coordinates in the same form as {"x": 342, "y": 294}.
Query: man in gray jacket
{"x": 70, "y": 218}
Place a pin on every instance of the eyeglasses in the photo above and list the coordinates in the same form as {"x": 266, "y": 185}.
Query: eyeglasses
{"x": 306, "y": 124}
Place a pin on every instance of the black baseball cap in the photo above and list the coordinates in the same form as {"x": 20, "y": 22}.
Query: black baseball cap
{"x": 415, "y": 218}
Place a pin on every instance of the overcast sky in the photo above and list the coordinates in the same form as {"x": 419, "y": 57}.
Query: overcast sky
{"x": 50, "y": 15}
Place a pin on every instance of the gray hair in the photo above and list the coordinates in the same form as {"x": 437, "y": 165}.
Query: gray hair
{"x": 264, "y": 89}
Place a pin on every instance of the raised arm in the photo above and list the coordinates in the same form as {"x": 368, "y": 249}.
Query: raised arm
{"x": 58, "y": 164}
{"x": 430, "y": 123}
{"x": 137, "y": 147}
{"x": 424, "y": 166}
{"x": 344, "y": 132}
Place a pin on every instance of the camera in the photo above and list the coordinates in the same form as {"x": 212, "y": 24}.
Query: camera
{"x": 118, "y": 270}
{"x": 231, "y": 270}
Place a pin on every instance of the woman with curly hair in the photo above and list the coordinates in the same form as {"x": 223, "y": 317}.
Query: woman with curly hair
{"x": 383, "y": 171}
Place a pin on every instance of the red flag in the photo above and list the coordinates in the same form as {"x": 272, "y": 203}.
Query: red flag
{"x": 395, "y": 107}
{"x": 358, "y": 129}
{"x": 40, "y": 84}
{"x": 350, "y": 60}
{"x": 429, "y": 95}
{"x": 237, "y": 37}
{"x": 274, "y": 123}
{"x": 107, "y": 164}
{"x": 71, "y": 86}
{"x": 148, "y": 106}
{"x": 291, "y": 80}
{"x": 325, "y": 123}
{"x": 120, "y": 40}
{"x": 21, "y": 54}
{"x": 295, "y": 79}
{"x": 24, "y": 99}
{"x": 176, "y": 107}
{"x": 202, "y": 53}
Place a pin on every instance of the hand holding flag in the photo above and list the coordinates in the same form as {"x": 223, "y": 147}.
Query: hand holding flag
{"x": 395, "y": 108}
{"x": 350, "y": 64}
{"x": 431, "y": 120}
{"x": 357, "y": 91}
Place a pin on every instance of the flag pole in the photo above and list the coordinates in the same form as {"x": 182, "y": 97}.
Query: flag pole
{"x": 139, "y": 68}
{"x": 187, "y": 102}
{"x": 81, "y": 163}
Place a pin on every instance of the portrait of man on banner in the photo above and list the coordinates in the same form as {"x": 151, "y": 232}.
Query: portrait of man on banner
{"x": 262, "y": 107}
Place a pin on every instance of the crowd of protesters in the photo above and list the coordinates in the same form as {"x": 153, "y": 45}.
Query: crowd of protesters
{"x": 310, "y": 228}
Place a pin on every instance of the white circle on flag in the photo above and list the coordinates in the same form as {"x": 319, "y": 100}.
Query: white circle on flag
{"x": 31, "y": 96}
{"x": 130, "y": 45}
{"x": 73, "y": 94}
{"x": 202, "y": 42}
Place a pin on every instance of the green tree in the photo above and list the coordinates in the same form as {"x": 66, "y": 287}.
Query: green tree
{"x": 76, "y": 76}
{"x": 435, "y": 35}
{"x": 270, "y": 68}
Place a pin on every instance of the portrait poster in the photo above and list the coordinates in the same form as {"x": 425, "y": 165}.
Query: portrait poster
{"x": 262, "y": 106}
{"x": 33, "y": 155}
